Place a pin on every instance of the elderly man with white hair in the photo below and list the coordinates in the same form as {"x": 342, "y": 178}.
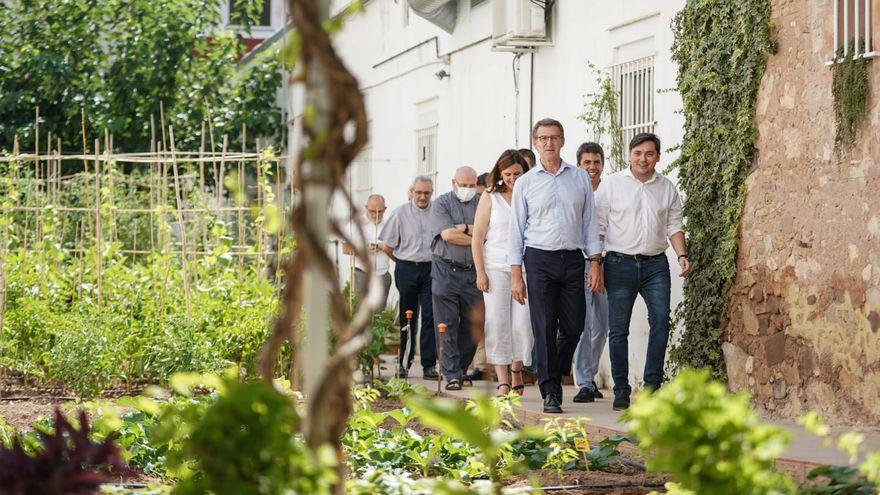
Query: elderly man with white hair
{"x": 453, "y": 276}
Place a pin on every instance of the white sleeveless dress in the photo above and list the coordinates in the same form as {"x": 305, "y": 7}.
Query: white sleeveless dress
{"x": 508, "y": 327}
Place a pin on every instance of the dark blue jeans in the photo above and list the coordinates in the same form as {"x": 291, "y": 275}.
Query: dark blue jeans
{"x": 625, "y": 278}
{"x": 414, "y": 284}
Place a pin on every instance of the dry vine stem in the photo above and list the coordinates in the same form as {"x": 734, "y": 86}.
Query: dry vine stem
{"x": 333, "y": 93}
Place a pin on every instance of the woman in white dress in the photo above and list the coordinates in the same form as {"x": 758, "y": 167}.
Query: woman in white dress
{"x": 508, "y": 330}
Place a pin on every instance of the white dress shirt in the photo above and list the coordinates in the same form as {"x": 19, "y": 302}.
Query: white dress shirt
{"x": 637, "y": 217}
{"x": 379, "y": 259}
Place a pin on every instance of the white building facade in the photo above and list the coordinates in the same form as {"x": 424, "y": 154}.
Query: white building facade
{"x": 437, "y": 100}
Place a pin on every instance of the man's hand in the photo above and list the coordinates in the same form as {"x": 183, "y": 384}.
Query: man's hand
{"x": 596, "y": 278}
{"x": 482, "y": 282}
{"x": 517, "y": 284}
{"x": 685, "y": 265}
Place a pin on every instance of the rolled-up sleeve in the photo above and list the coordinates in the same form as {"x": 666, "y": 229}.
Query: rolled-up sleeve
{"x": 674, "y": 220}
{"x": 591, "y": 224}
{"x": 390, "y": 234}
{"x": 518, "y": 215}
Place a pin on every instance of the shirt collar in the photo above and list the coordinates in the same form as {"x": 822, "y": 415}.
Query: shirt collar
{"x": 628, "y": 172}
{"x": 562, "y": 166}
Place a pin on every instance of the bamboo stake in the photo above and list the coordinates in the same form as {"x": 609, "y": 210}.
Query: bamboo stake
{"x": 260, "y": 225}
{"x": 222, "y": 177}
{"x": 152, "y": 178}
{"x": 202, "y": 190}
{"x": 217, "y": 180}
{"x": 99, "y": 232}
{"x": 85, "y": 163}
{"x": 182, "y": 225}
{"x": 37, "y": 147}
{"x": 279, "y": 236}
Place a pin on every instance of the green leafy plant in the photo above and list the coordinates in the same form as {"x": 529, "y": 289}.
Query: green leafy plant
{"x": 602, "y": 118}
{"x": 849, "y": 89}
{"x": 720, "y": 48}
{"x": 480, "y": 425}
{"x": 707, "y": 440}
{"x": 119, "y": 61}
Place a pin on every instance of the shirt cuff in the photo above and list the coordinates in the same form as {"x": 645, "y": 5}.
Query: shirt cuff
{"x": 671, "y": 232}
{"x": 594, "y": 248}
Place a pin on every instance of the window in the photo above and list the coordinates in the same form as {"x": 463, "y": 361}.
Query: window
{"x": 852, "y": 28}
{"x": 427, "y": 152}
{"x": 237, "y": 10}
{"x": 361, "y": 176}
{"x": 634, "y": 83}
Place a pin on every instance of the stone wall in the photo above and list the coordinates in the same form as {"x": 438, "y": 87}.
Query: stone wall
{"x": 804, "y": 323}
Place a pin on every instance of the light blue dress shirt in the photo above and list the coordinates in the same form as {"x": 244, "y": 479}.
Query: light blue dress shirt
{"x": 553, "y": 212}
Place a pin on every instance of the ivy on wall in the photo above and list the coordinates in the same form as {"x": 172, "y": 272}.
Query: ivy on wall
{"x": 850, "y": 92}
{"x": 721, "y": 48}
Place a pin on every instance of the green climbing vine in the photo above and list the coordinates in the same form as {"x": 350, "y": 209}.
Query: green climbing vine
{"x": 721, "y": 48}
{"x": 850, "y": 92}
{"x": 601, "y": 116}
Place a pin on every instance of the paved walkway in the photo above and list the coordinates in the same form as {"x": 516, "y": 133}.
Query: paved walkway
{"x": 804, "y": 453}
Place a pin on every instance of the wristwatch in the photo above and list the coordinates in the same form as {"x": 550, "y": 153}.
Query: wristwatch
{"x": 465, "y": 229}
{"x": 597, "y": 259}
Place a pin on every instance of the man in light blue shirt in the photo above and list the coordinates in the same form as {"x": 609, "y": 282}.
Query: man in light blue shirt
{"x": 553, "y": 227}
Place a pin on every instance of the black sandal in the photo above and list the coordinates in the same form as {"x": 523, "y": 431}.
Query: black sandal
{"x": 499, "y": 389}
{"x": 521, "y": 388}
{"x": 454, "y": 384}
{"x": 467, "y": 382}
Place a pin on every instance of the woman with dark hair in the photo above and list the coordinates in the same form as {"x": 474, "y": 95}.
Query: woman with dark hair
{"x": 508, "y": 331}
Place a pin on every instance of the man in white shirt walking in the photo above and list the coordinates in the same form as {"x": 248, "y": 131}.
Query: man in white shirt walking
{"x": 638, "y": 210}
{"x": 371, "y": 225}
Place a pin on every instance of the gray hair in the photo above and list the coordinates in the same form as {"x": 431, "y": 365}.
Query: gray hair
{"x": 375, "y": 196}
{"x": 422, "y": 178}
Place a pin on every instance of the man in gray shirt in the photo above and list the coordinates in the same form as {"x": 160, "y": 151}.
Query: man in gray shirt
{"x": 453, "y": 275}
{"x": 406, "y": 238}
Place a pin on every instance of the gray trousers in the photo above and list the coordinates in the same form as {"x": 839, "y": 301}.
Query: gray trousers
{"x": 360, "y": 285}
{"x": 455, "y": 297}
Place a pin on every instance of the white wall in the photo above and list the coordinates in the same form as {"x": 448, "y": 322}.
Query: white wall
{"x": 476, "y": 106}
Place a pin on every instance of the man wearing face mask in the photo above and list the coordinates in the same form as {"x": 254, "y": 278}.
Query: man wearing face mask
{"x": 453, "y": 275}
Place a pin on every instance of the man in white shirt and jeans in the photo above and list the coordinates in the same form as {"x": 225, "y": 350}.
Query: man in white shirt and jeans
{"x": 638, "y": 210}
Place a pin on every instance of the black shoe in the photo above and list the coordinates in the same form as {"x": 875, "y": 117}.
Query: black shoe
{"x": 596, "y": 393}
{"x": 401, "y": 373}
{"x": 551, "y": 404}
{"x": 429, "y": 373}
{"x": 586, "y": 394}
{"x": 475, "y": 375}
{"x": 621, "y": 400}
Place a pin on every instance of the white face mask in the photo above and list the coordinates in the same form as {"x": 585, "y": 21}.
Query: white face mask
{"x": 465, "y": 194}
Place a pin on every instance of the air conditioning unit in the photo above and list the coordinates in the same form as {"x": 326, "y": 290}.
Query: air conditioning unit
{"x": 519, "y": 25}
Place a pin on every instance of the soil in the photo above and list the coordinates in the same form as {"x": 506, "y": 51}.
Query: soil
{"x": 591, "y": 482}
{"x": 22, "y": 413}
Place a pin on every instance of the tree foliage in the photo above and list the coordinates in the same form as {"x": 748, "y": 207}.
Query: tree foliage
{"x": 720, "y": 48}
{"x": 118, "y": 60}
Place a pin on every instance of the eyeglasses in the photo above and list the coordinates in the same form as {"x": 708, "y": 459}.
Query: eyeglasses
{"x": 543, "y": 139}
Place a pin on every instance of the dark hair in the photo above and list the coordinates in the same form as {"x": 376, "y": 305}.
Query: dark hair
{"x": 481, "y": 179}
{"x": 590, "y": 148}
{"x": 547, "y": 123}
{"x": 643, "y": 138}
{"x": 507, "y": 159}
{"x": 529, "y": 155}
